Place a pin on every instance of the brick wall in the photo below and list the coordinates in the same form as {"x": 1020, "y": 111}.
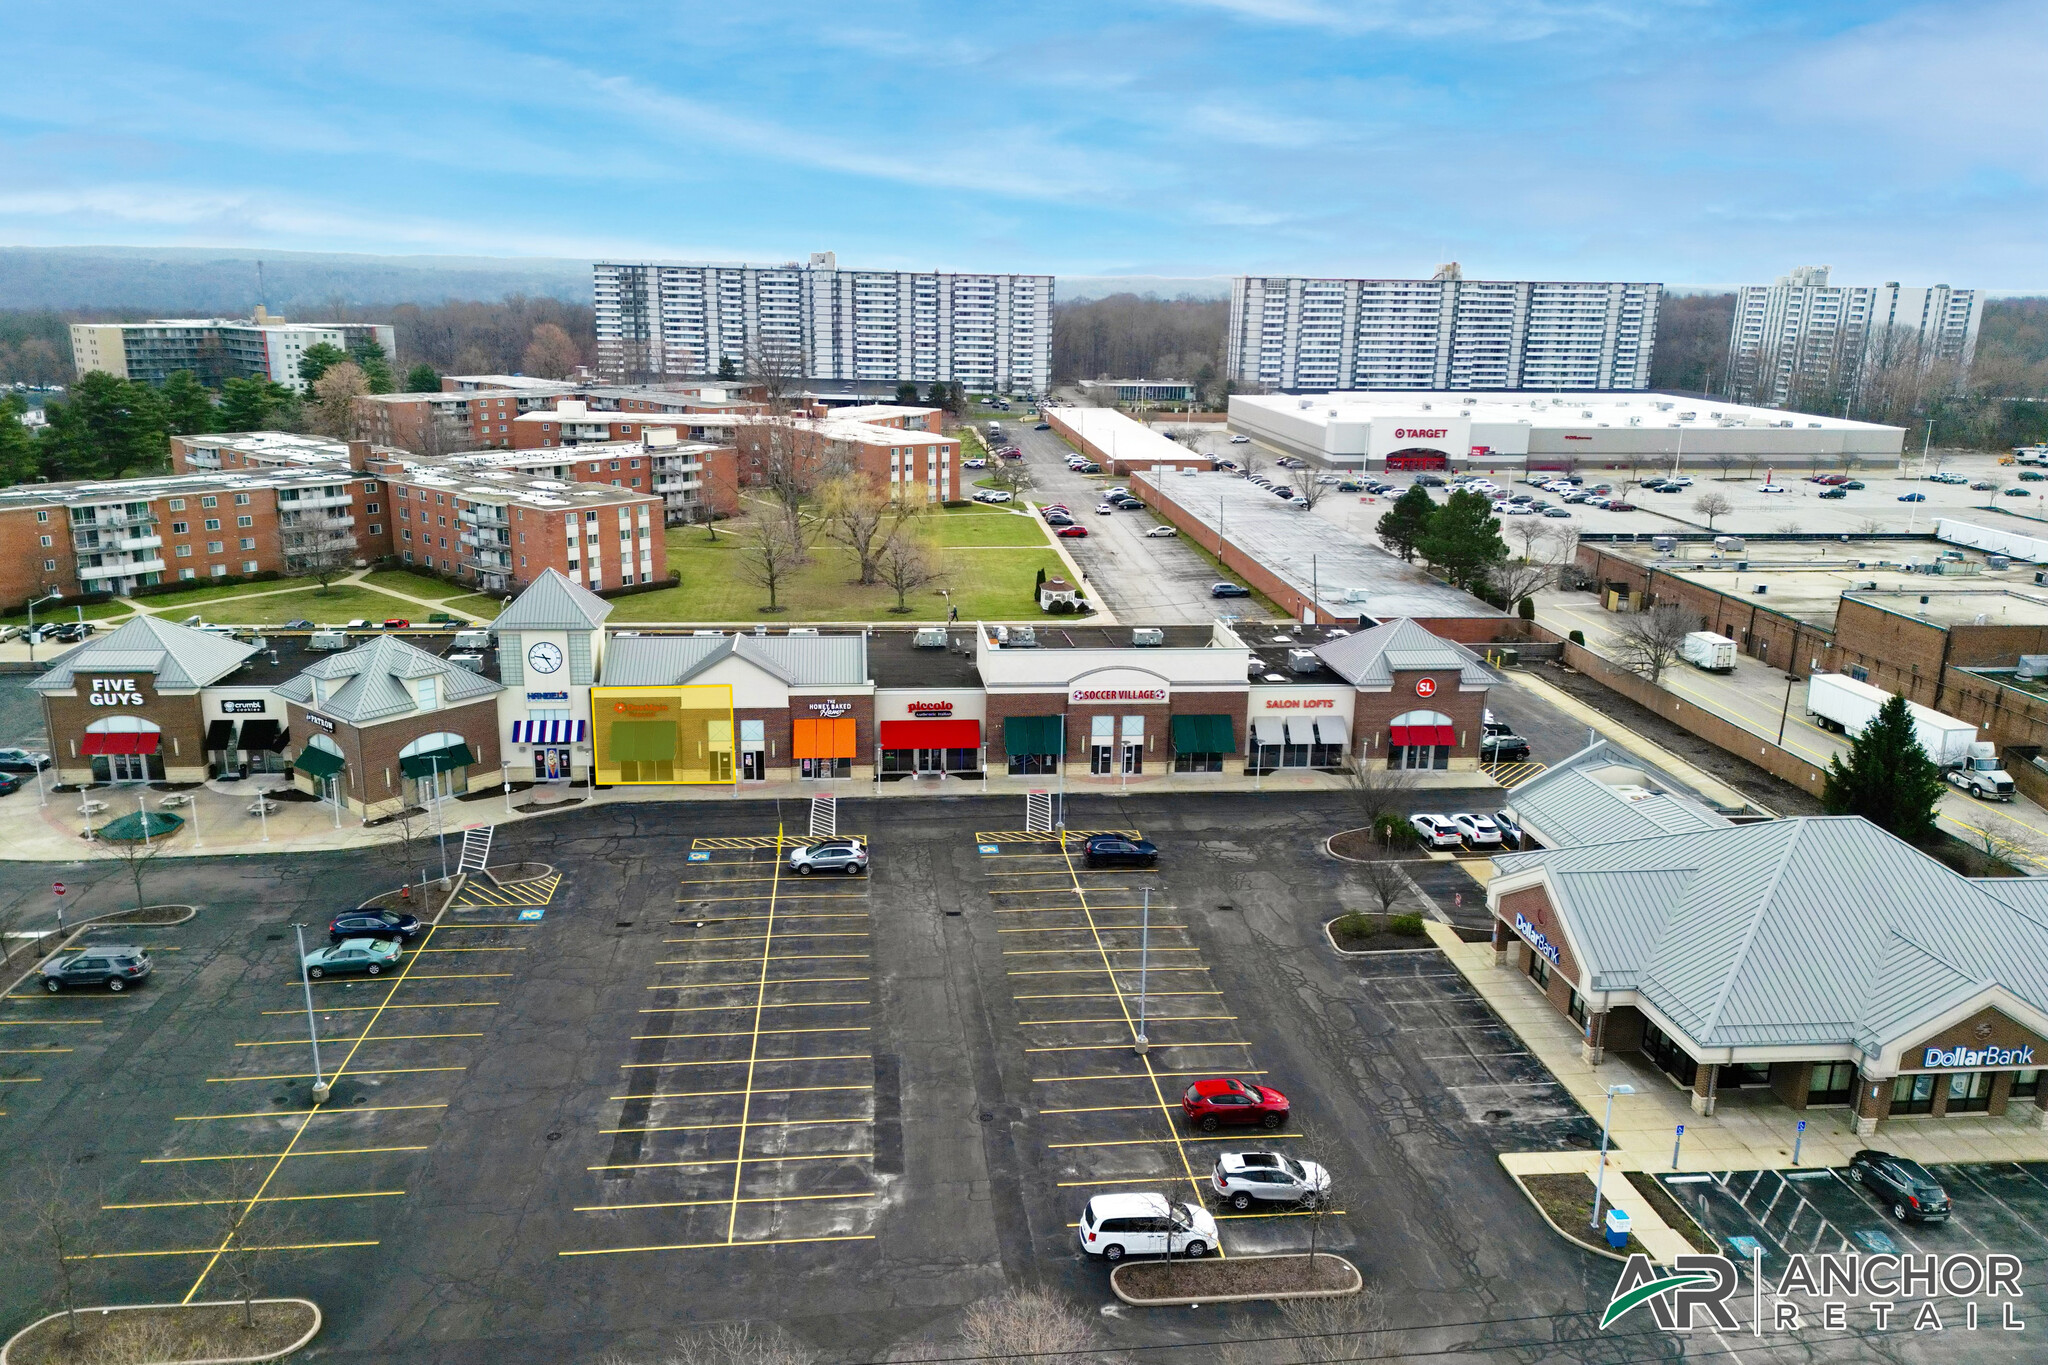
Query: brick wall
{"x": 372, "y": 779}
{"x": 23, "y": 574}
{"x": 1758, "y": 630}
{"x": 183, "y": 743}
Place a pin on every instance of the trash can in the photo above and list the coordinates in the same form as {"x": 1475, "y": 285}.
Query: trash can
{"x": 1617, "y": 1229}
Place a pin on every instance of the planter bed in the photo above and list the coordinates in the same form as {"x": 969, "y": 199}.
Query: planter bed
{"x": 1672, "y": 1212}
{"x": 167, "y": 1334}
{"x": 1362, "y": 846}
{"x": 512, "y": 873}
{"x": 1566, "y": 1200}
{"x": 426, "y": 900}
{"x": 536, "y": 807}
{"x": 1374, "y": 934}
{"x": 1215, "y": 1280}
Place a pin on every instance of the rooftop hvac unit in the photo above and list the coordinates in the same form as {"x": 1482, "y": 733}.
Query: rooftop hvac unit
{"x": 803, "y": 630}
{"x": 712, "y": 633}
{"x": 1664, "y": 544}
{"x": 2033, "y": 666}
{"x": 930, "y": 637}
{"x": 1303, "y": 660}
{"x": 1021, "y": 637}
{"x": 1731, "y": 544}
{"x": 1996, "y": 562}
{"x": 1148, "y": 635}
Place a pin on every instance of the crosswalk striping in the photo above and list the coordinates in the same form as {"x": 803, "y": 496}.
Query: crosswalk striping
{"x": 540, "y": 891}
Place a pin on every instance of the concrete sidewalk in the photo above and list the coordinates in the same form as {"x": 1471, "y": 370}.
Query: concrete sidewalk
{"x": 220, "y": 821}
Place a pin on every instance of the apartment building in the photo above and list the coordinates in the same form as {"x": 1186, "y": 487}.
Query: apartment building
{"x": 696, "y": 481}
{"x": 1803, "y": 341}
{"x": 916, "y": 465}
{"x": 885, "y": 415}
{"x": 215, "y": 349}
{"x": 1319, "y": 335}
{"x": 989, "y": 332}
{"x": 454, "y": 419}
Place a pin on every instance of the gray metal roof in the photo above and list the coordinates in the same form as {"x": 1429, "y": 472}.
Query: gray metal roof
{"x": 1813, "y": 931}
{"x": 179, "y": 656}
{"x": 1602, "y": 794}
{"x": 1371, "y": 657}
{"x": 554, "y": 601}
{"x": 375, "y": 681}
{"x": 797, "y": 660}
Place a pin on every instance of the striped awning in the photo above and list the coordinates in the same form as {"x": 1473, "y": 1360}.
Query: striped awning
{"x": 550, "y": 731}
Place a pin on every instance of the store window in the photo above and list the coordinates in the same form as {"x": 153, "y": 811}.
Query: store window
{"x": 1133, "y": 732}
{"x": 1102, "y": 745}
{"x": 1420, "y": 740}
{"x": 1670, "y": 1058}
{"x": 1576, "y": 1008}
{"x": 1913, "y": 1094}
{"x": 1969, "y": 1092}
{"x": 1831, "y": 1083}
{"x": 1193, "y": 763}
{"x": 2026, "y": 1084}
{"x": 1539, "y": 969}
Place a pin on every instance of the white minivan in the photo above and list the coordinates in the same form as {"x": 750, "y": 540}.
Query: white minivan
{"x": 1114, "y": 1226}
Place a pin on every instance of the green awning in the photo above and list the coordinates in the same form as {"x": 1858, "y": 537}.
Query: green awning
{"x": 1032, "y": 734}
{"x": 437, "y": 761}
{"x": 1203, "y": 735}
{"x": 643, "y": 741}
{"x": 318, "y": 762}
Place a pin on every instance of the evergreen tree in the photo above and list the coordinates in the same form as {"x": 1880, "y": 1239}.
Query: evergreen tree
{"x": 369, "y": 357}
{"x": 107, "y": 428}
{"x": 1886, "y": 777}
{"x": 18, "y": 463}
{"x": 1406, "y": 520}
{"x": 1462, "y": 541}
{"x": 422, "y": 379}
{"x": 188, "y": 407}
{"x": 252, "y": 404}
{"x": 906, "y": 393}
{"x": 317, "y": 359}
{"x": 727, "y": 371}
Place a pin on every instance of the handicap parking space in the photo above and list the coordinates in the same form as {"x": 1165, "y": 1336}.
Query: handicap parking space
{"x": 1999, "y": 1207}
{"x": 744, "y": 1112}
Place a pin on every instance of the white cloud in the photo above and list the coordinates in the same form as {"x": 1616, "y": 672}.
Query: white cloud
{"x": 1497, "y": 20}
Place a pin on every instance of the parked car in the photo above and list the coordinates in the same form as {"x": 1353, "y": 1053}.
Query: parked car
{"x": 1113, "y": 850}
{"x": 1103, "y": 509}
{"x": 1437, "y": 831}
{"x": 1240, "y": 440}
{"x": 2018, "y": 493}
{"x": 1072, "y": 532}
{"x": 10, "y": 783}
{"x": 1281, "y": 490}
{"x": 1128, "y": 501}
{"x": 1948, "y": 476}
{"x": 1856, "y": 485}
{"x": 71, "y": 632}
{"x": 1503, "y": 749}
{"x": 1912, "y": 497}
{"x": 1902, "y": 1183}
{"x": 1229, "y": 590}
{"x": 22, "y": 761}
{"x": 976, "y": 463}
{"x": 1225, "y": 1100}
{"x": 1983, "y": 485}
{"x": 369, "y": 956}
{"x": 1843, "y": 492}
{"x": 1479, "y": 830}
{"x": 1042, "y": 426}
{"x": 1619, "y": 505}
{"x": 1114, "y": 1226}
{"x": 117, "y": 966}
{"x": 397, "y": 623}
{"x": 1556, "y": 512}
{"x": 371, "y": 923}
{"x": 2032, "y": 476}
{"x": 1058, "y": 520}
{"x": 849, "y": 856}
{"x": 1510, "y": 829}
{"x": 1243, "y": 1178}
{"x": 1090, "y": 468}
{"x": 296, "y": 625}
{"x": 1161, "y": 533}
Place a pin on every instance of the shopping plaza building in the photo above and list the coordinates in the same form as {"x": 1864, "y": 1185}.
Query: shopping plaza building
{"x": 1811, "y": 962}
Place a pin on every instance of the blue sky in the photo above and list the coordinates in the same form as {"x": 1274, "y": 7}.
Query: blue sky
{"x": 1687, "y": 141}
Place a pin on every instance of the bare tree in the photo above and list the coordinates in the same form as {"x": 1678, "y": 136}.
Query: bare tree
{"x": 1311, "y": 1150}
{"x": 1011, "y": 476}
{"x": 1712, "y": 504}
{"x": 908, "y": 562}
{"x": 551, "y": 354}
{"x": 1251, "y": 460}
{"x": 135, "y": 856}
{"x": 2011, "y": 842}
{"x": 1529, "y": 532}
{"x": 741, "y": 1343}
{"x": 1385, "y": 882}
{"x": 769, "y": 554}
{"x": 64, "y": 1211}
{"x": 229, "y": 1206}
{"x": 1870, "y": 526}
{"x": 1648, "y": 641}
{"x": 1310, "y": 491}
{"x": 1029, "y": 1324}
{"x": 1380, "y": 795}
{"x": 860, "y": 515}
{"x": 1991, "y": 494}
{"x": 333, "y": 409}
{"x": 1564, "y": 545}
{"x": 1318, "y": 1332}
{"x": 790, "y": 458}
{"x": 1518, "y": 579}
{"x": 1724, "y": 463}
{"x": 779, "y": 366}
{"x": 316, "y": 543}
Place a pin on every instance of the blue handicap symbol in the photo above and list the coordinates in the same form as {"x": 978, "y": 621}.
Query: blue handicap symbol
{"x": 531, "y": 914}
{"x": 988, "y": 848}
{"x": 1745, "y": 1247}
{"x": 1872, "y": 1240}
{"x": 700, "y": 857}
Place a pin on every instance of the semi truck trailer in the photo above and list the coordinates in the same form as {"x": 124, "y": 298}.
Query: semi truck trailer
{"x": 1844, "y": 705}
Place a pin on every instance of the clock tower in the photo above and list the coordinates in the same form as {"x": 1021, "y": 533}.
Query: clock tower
{"x": 550, "y": 644}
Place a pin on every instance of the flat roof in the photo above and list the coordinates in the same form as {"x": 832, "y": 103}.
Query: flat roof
{"x": 1119, "y": 437}
{"x": 1346, "y": 575}
{"x": 1547, "y": 411}
{"x": 895, "y": 659}
{"x": 148, "y": 489}
{"x": 507, "y": 485}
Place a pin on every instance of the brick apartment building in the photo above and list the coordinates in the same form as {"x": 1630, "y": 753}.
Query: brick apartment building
{"x": 896, "y": 458}
{"x": 884, "y": 415}
{"x": 484, "y": 412}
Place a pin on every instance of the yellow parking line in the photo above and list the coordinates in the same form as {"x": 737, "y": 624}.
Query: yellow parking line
{"x": 266, "y": 1199}
{"x": 359, "y": 1038}
{"x": 494, "y": 948}
{"x": 473, "y": 924}
{"x": 712, "y": 1246}
{"x": 1082, "y": 929}
{"x": 779, "y": 957}
{"x": 817, "y": 896}
{"x": 30, "y": 1051}
{"x": 1136, "y": 1180}
{"x": 1126, "y": 1047}
{"x": 1055, "y": 952}
{"x": 44, "y": 1023}
{"x": 1291, "y": 1213}
{"x": 19, "y": 1080}
{"x": 714, "y": 1009}
{"x": 747, "y": 1033}
{"x": 748, "y": 1061}
{"x": 749, "y": 919}
{"x": 293, "y": 1113}
{"x": 1086, "y": 872}
{"x": 449, "y": 976}
{"x": 732, "y": 1161}
{"x": 1112, "y": 1109}
{"x": 373, "y": 1009}
{"x": 722, "y": 1127}
{"x": 775, "y": 981}
{"x": 307, "y": 1075}
{"x": 278, "y": 1156}
{"x": 1155, "y": 1019}
{"x": 1104, "y": 970}
{"x": 1131, "y": 1076}
{"x": 721, "y": 1203}
{"x": 758, "y": 1090}
{"x": 756, "y": 938}
{"x": 208, "y": 1251}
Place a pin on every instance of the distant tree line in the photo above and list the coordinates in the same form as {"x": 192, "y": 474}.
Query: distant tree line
{"x": 1132, "y": 336}
{"x": 1691, "y": 355}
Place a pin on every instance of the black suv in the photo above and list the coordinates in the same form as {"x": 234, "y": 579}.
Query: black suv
{"x": 1111, "y": 850}
{"x": 373, "y": 924}
{"x": 1503, "y": 749}
{"x": 117, "y": 966}
{"x": 1902, "y": 1183}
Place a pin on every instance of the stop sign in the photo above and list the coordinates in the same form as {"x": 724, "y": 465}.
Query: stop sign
{"x": 57, "y": 887}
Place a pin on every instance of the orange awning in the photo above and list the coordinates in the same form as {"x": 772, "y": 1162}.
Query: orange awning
{"x": 822, "y": 738}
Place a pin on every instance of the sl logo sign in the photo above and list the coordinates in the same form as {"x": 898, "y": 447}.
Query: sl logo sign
{"x": 1676, "y": 1296}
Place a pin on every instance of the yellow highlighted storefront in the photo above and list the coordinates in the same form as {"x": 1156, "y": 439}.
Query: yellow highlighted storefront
{"x": 657, "y": 736}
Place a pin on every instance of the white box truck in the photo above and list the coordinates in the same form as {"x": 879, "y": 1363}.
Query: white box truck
{"x": 1705, "y": 650}
{"x": 1844, "y": 705}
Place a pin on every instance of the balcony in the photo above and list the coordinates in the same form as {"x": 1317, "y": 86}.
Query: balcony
{"x": 298, "y": 521}
{"x": 485, "y": 514}
{"x": 93, "y": 573}
{"x": 132, "y": 543}
{"x": 307, "y": 502}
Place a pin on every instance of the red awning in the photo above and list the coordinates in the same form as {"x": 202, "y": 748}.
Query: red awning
{"x": 120, "y": 742}
{"x": 1423, "y": 734}
{"x": 931, "y": 734}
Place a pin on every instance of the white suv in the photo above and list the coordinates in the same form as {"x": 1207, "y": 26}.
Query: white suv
{"x": 1479, "y": 831}
{"x": 1240, "y": 1178}
{"x": 1114, "y": 1226}
{"x": 1438, "y": 831}
{"x": 831, "y": 855}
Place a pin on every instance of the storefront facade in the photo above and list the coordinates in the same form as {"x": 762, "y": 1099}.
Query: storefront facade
{"x": 1419, "y": 700}
{"x": 1923, "y": 995}
{"x": 1300, "y": 727}
{"x": 246, "y": 729}
{"x": 551, "y": 642}
{"x": 930, "y": 732}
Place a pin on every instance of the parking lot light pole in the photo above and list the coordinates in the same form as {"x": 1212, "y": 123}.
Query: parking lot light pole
{"x": 1600, "y": 1177}
{"x": 321, "y": 1089}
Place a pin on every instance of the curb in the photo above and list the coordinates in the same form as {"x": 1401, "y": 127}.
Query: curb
{"x": 319, "y": 1320}
{"x": 73, "y": 931}
{"x": 1357, "y": 1276}
{"x": 1542, "y": 1213}
{"x": 1330, "y": 924}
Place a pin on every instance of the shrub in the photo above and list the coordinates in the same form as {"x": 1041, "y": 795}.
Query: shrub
{"x": 1354, "y": 925}
{"x": 1527, "y": 609}
{"x": 1408, "y": 925}
{"x": 1062, "y": 607}
{"x": 1394, "y": 831}
{"x": 1577, "y": 637}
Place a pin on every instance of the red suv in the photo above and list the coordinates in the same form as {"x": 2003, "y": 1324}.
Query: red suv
{"x": 1212, "y": 1103}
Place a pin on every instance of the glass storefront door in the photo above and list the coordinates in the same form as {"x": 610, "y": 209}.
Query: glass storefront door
{"x": 753, "y": 766}
{"x": 931, "y": 761}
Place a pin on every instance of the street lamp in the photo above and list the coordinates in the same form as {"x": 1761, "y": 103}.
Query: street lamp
{"x": 32, "y": 622}
{"x": 1600, "y": 1177}
{"x": 321, "y": 1089}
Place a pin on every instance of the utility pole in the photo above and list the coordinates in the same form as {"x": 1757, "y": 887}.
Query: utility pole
{"x": 1144, "y": 1043}
{"x": 321, "y": 1089}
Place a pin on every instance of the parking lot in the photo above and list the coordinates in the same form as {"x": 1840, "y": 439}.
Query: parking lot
{"x": 677, "y": 1083}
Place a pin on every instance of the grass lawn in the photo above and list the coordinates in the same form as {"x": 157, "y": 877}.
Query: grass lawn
{"x": 416, "y": 585}
{"x": 339, "y": 603}
{"x": 200, "y": 593}
{"x": 991, "y": 528}
{"x": 477, "y": 606}
{"x": 995, "y": 583}
{"x": 972, "y": 447}
{"x": 64, "y": 611}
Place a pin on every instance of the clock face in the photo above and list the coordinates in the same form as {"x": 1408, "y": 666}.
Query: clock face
{"x": 544, "y": 657}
